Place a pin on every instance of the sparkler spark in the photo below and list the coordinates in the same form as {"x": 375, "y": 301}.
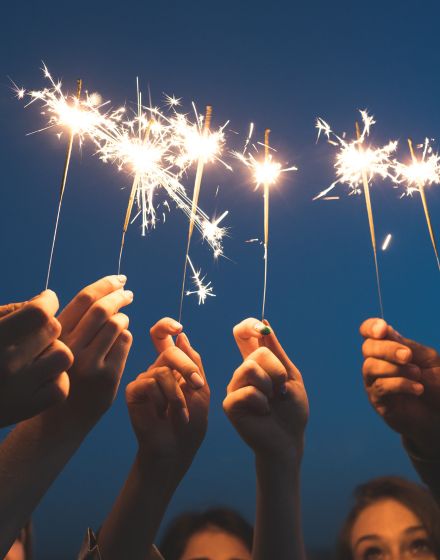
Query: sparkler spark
{"x": 418, "y": 175}
{"x": 202, "y": 290}
{"x": 386, "y": 242}
{"x": 352, "y": 162}
{"x": 356, "y": 166}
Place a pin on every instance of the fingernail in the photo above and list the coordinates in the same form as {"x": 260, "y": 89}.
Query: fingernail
{"x": 403, "y": 354}
{"x": 128, "y": 294}
{"x": 175, "y": 325}
{"x": 122, "y": 279}
{"x": 283, "y": 389}
{"x": 184, "y": 415}
{"x": 378, "y": 328}
{"x": 262, "y": 329}
{"x": 196, "y": 381}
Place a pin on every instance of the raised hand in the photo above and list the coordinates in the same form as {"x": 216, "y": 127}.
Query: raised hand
{"x": 33, "y": 362}
{"x": 97, "y": 334}
{"x": 169, "y": 402}
{"x": 402, "y": 380}
{"x": 266, "y": 400}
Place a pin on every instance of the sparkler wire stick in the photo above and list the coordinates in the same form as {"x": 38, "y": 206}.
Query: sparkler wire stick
{"x": 425, "y": 205}
{"x": 266, "y": 218}
{"x": 133, "y": 192}
{"x": 197, "y": 185}
{"x": 371, "y": 224}
{"x": 62, "y": 187}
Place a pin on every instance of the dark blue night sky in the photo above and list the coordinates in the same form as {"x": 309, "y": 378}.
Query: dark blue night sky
{"x": 279, "y": 64}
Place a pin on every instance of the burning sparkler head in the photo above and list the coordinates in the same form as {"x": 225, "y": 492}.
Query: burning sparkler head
{"x": 419, "y": 172}
{"x": 356, "y": 159}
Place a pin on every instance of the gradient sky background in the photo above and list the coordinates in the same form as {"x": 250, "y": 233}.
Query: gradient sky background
{"x": 279, "y": 64}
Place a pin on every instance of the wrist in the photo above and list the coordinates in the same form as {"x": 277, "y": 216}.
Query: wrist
{"x": 422, "y": 448}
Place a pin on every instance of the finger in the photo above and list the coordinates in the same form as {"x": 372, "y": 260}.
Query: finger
{"x": 107, "y": 336}
{"x": 73, "y": 312}
{"x": 162, "y": 333}
{"x": 182, "y": 342}
{"x": 118, "y": 354}
{"x": 174, "y": 358}
{"x": 27, "y": 349}
{"x": 30, "y": 317}
{"x": 53, "y": 392}
{"x": 387, "y": 350}
{"x": 245, "y": 400}
{"x": 387, "y": 387}
{"x": 172, "y": 392}
{"x": 373, "y": 369}
{"x": 146, "y": 390}
{"x": 374, "y": 328}
{"x": 97, "y": 315}
{"x": 271, "y": 341}
{"x": 247, "y": 335}
{"x": 251, "y": 374}
{"x": 55, "y": 360}
{"x": 10, "y": 308}
{"x": 272, "y": 366}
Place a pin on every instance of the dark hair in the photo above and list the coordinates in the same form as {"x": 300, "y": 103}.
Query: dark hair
{"x": 188, "y": 524}
{"x": 412, "y": 495}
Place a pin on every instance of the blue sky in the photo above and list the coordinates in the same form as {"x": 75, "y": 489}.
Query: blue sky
{"x": 280, "y": 65}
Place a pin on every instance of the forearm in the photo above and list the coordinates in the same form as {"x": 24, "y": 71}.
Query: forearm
{"x": 130, "y": 529}
{"x": 426, "y": 461}
{"x": 31, "y": 457}
{"x": 278, "y": 531}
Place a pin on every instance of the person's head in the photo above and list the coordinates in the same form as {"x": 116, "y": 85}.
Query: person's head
{"x": 392, "y": 519}
{"x": 22, "y": 547}
{"x": 216, "y": 534}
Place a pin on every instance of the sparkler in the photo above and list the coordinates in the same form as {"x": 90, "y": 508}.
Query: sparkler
{"x": 356, "y": 165}
{"x": 202, "y": 290}
{"x": 79, "y": 117}
{"x": 200, "y": 145}
{"x": 265, "y": 173}
{"x": 418, "y": 175}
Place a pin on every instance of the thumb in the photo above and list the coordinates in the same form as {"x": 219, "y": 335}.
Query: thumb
{"x": 10, "y": 308}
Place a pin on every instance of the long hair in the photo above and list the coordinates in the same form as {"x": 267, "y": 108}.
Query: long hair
{"x": 412, "y": 495}
{"x": 188, "y": 524}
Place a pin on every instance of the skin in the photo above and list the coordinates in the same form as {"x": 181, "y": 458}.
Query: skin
{"x": 33, "y": 362}
{"x": 388, "y": 530}
{"x": 267, "y": 404}
{"x": 37, "y": 449}
{"x": 16, "y": 552}
{"x": 168, "y": 406}
{"x": 214, "y": 544}
{"x": 402, "y": 380}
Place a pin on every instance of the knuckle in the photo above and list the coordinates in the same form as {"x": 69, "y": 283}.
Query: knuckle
{"x": 366, "y": 348}
{"x": 262, "y": 353}
{"x": 99, "y": 312}
{"x": 38, "y": 314}
{"x": 85, "y": 298}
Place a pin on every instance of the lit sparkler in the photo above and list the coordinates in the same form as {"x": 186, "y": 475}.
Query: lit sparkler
{"x": 78, "y": 117}
{"x": 418, "y": 175}
{"x": 202, "y": 146}
{"x": 356, "y": 166}
{"x": 157, "y": 151}
{"x": 202, "y": 290}
{"x": 265, "y": 173}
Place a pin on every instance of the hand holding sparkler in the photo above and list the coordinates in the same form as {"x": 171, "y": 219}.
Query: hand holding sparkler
{"x": 168, "y": 406}
{"x": 402, "y": 380}
{"x": 33, "y": 362}
{"x": 267, "y": 404}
